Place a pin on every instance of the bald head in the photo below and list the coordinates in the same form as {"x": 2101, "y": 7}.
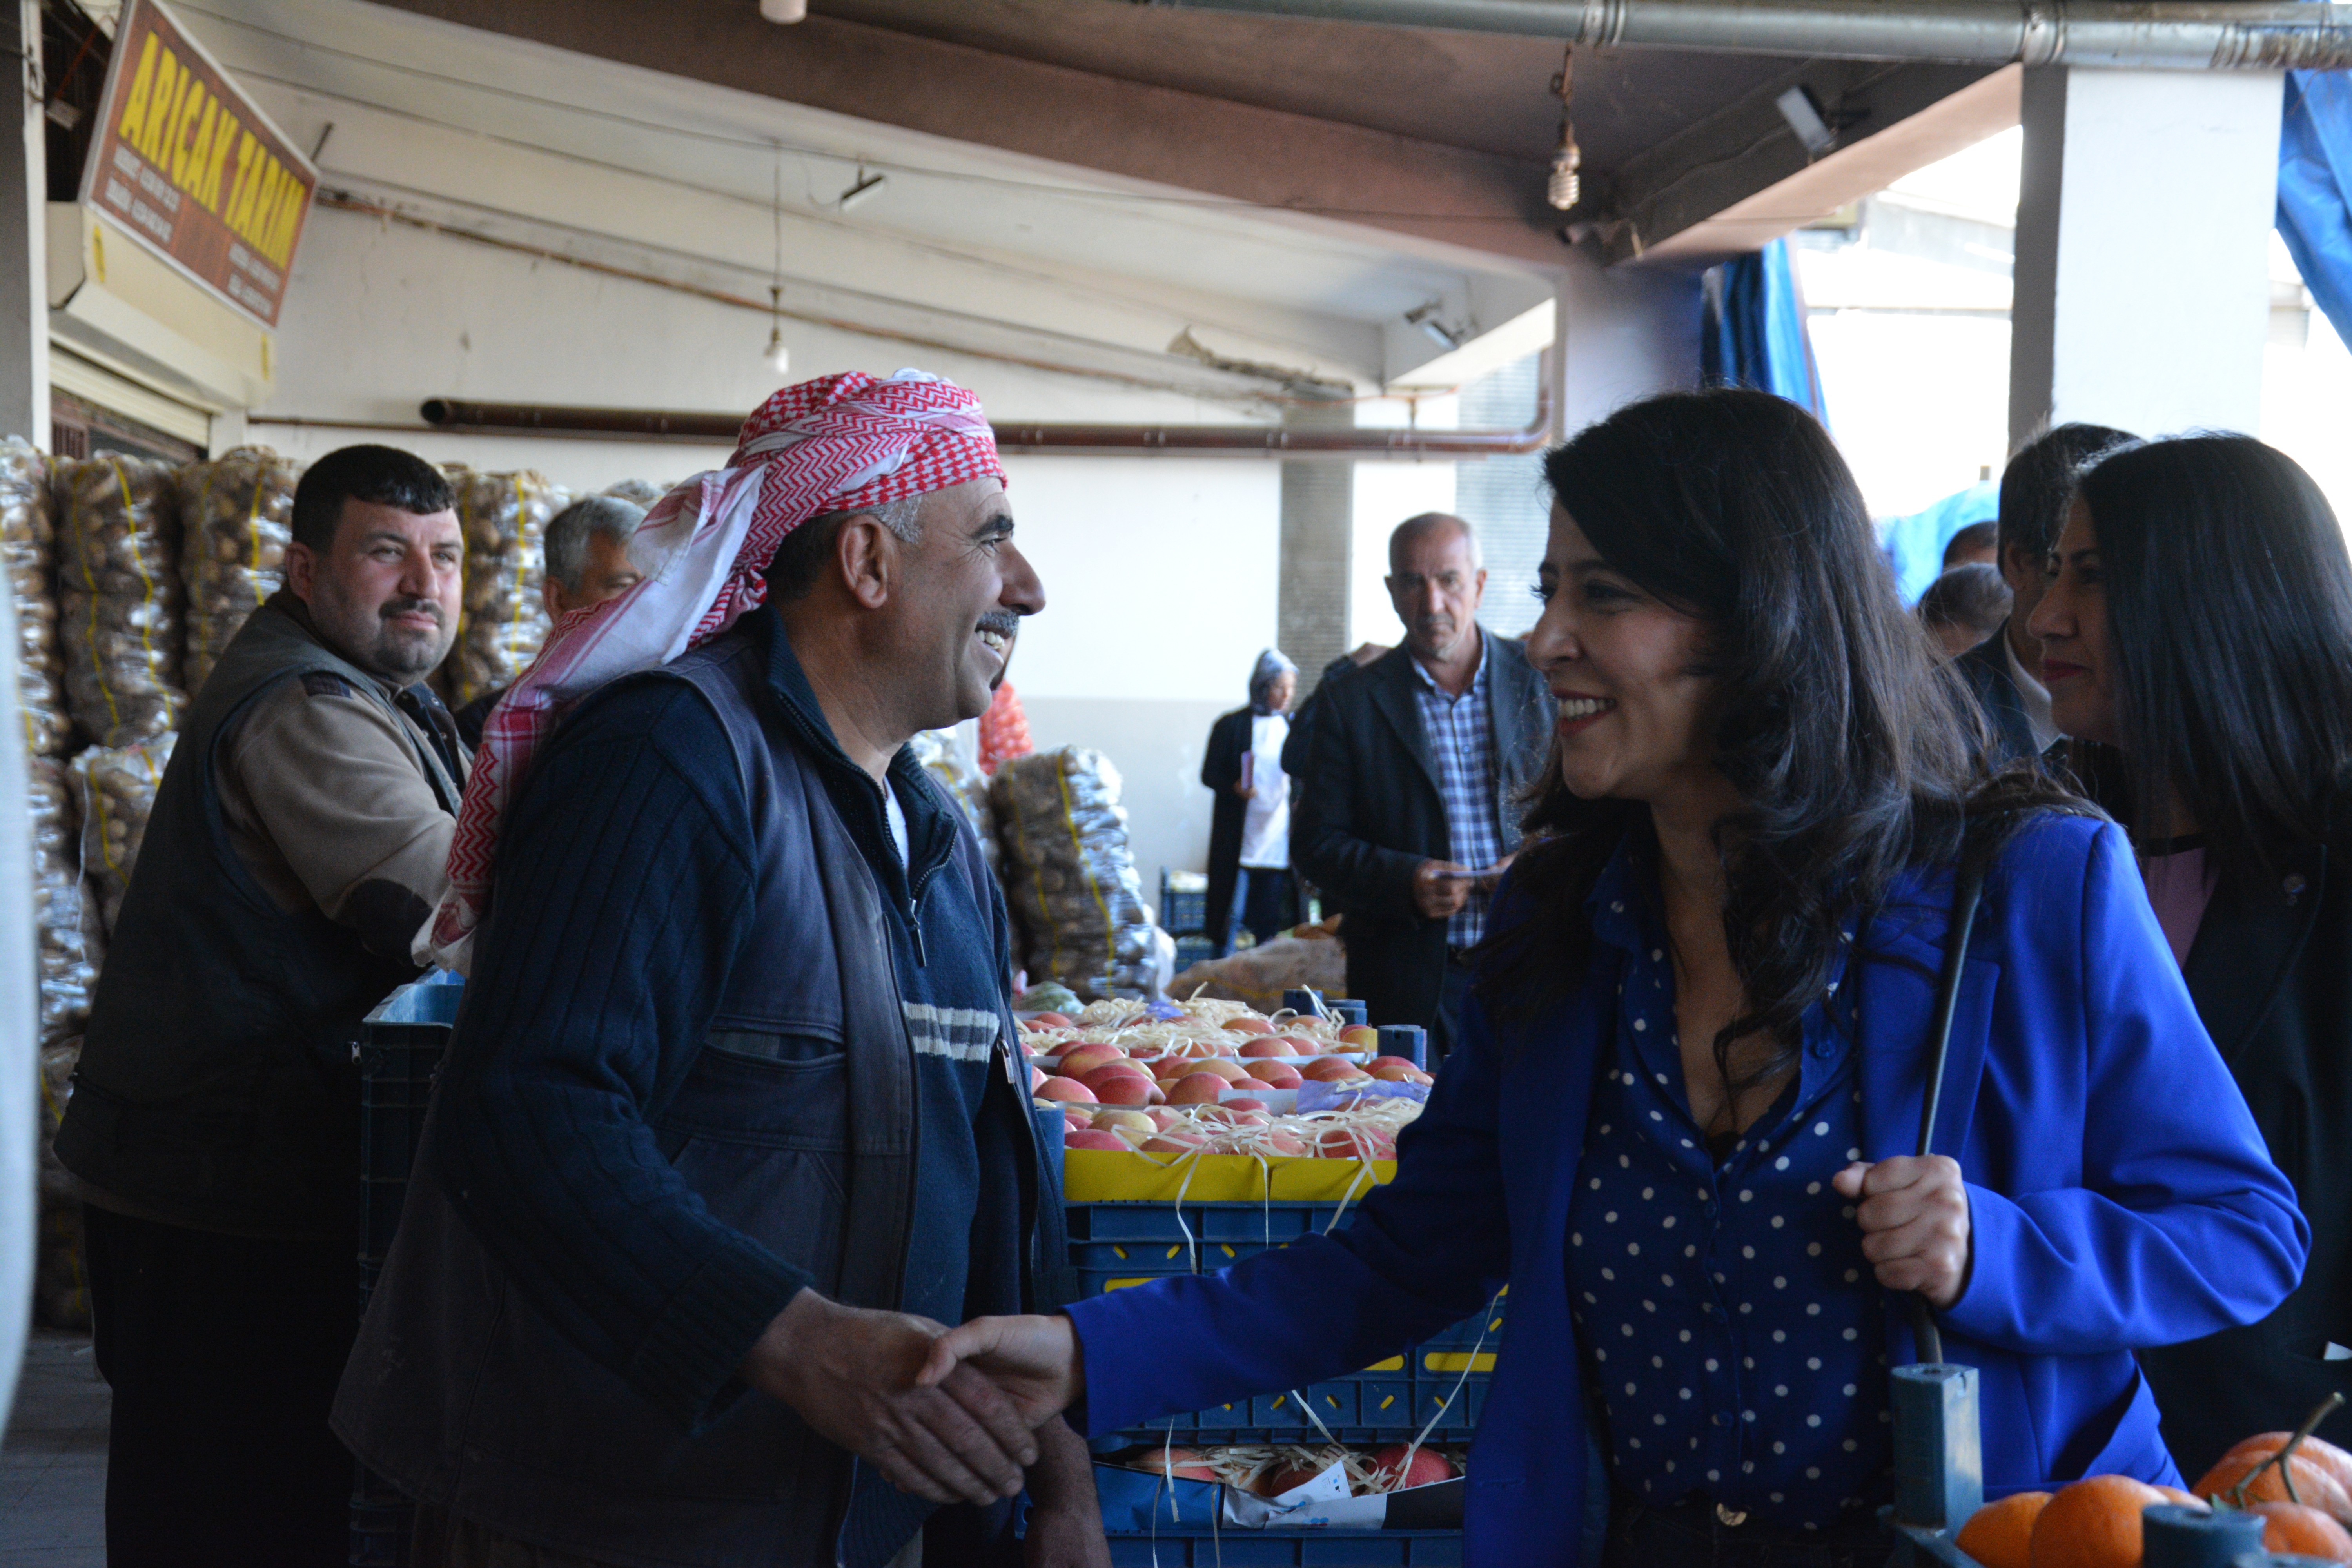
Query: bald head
{"x": 1436, "y": 527}
{"x": 1435, "y": 581}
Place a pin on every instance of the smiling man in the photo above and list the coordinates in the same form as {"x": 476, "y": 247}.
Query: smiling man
{"x": 734, "y": 1117}
{"x": 298, "y": 842}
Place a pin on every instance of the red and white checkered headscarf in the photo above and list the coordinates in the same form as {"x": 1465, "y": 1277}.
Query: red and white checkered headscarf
{"x": 834, "y": 444}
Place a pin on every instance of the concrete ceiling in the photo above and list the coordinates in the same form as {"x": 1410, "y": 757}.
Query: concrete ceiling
{"x": 1226, "y": 204}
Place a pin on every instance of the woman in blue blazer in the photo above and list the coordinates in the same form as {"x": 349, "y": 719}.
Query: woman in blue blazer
{"x": 1681, "y": 1122}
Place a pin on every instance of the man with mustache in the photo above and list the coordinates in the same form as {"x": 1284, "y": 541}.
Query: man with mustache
{"x": 735, "y": 1115}
{"x": 1407, "y": 808}
{"x": 298, "y": 842}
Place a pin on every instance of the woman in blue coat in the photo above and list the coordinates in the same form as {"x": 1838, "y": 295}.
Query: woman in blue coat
{"x": 1682, "y": 1124}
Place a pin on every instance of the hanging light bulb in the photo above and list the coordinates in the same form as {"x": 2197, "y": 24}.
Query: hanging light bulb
{"x": 1566, "y": 184}
{"x": 778, "y": 355}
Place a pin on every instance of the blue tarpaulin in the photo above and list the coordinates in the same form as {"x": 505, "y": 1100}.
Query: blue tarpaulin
{"x": 1915, "y": 544}
{"x": 1754, "y": 335}
{"x": 2315, "y": 189}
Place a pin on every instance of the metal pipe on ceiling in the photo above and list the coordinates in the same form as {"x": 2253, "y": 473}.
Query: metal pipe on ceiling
{"x": 2166, "y": 35}
{"x": 1033, "y": 438}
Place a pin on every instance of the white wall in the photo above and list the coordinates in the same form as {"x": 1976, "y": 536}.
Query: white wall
{"x": 1159, "y": 574}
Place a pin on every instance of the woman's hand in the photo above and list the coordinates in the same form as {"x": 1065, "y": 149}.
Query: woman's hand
{"x": 1037, "y": 1362}
{"x": 1914, "y": 1216}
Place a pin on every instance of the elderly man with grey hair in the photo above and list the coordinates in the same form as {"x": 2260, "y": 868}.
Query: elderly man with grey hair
{"x": 588, "y": 562}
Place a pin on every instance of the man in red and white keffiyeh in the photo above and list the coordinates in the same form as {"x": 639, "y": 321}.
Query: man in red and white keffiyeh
{"x": 735, "y": 1115}
{"x": 836, "y": 443}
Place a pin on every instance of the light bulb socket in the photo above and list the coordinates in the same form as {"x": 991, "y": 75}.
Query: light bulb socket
{"x": 1564, "y": 186}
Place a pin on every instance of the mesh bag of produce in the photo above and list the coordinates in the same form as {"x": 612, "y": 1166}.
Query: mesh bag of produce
{"x": 66, "y": 960}
{"x": 237, "y": 518}
{"x": 118, "y": 791}
{"x": 1259, "y": 975}
{"x": 638, "y": 492}
{"x": 1070, "y": 877}
{"x": 504, "y": 621}
{"x": 939, "y": 751}
{"x": 119, "y": 596}
{"x": 28, "y": 556}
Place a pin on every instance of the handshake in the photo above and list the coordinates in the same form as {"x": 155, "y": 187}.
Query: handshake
{"x": 949, "y": 1415}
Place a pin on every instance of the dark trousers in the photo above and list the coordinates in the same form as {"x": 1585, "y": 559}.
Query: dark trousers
{"x": 1265, "y": 904}
{"x": 1453, "y": 990}
{"x": 222, "y": 1352}
{"x": 1691, "y": 1536}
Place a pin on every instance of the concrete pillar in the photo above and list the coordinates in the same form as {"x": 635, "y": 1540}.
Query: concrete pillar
{"x": 2143, "y": 261}
{"x": 1318, "y": 514}
{"x": 24, "y": 237}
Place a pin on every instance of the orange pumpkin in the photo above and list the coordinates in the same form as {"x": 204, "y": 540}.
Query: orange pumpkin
{"x": 2306, "y": 1532}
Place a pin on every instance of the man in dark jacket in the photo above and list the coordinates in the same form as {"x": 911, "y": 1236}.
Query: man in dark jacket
{"x": 2005, "y": 669}
{"x": 1408, "y": 810}
{"x": 734, "y": 1116}
{"x": 296, "y": 844}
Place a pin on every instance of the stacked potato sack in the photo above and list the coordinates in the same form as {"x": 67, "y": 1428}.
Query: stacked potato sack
{"x": 505, "y": 518}
{"x": 60, "y": 1284}
{"x": 1070, "y": 877}
{"x": 67, "y": 967}
{"x": 237, "y": 518}
{"x": 118, "y": 792}
{"x": 28, "y": 555}
{"x": 119, "y": 596}
{"x": 638, "y": 492}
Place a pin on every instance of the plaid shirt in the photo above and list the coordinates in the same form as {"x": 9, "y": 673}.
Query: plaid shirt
{"x": 1461, "y": 733}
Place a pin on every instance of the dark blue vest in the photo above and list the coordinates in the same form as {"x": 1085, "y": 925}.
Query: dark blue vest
{"x": 461, "y": 1393}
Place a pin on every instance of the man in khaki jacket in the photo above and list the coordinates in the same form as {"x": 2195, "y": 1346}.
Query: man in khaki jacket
{"x": 298, "y": 842}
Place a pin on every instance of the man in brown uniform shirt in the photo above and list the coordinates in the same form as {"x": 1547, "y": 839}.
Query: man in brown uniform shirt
{"x": 297, "y": 844}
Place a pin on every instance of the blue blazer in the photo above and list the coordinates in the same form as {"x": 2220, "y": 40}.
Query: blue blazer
{"x": 2120, "y": 1196}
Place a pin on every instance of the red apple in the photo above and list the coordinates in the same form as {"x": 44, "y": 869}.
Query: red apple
{"x": 1122, "y": 1089}
{"x": 1275, "y": 1074}
{"x": 1377, "y": 1063}
{"x": 1270, "y": 1046}
{"x": 1086, "y": 1058}
{"x": 1356, "y": 1143}
{"x": 1036, "y": 1078}
{"x": 1361, "y": 1038}
{"x": 1068, "y": 1090}
{"x": 1329, "y": 1070}
{"x": 1173, "y": 1143}
{"x": 1050, "y": 1021}
{"x": 1398, "y": 1469}
{"x": 1162, "y": 1118}
{"x": 1198, "y": 1089}
{"x": 1288, "y": 1143}
{"x": 1227, "y": 1068}
{"x": 1244, "y": 1102}
{"x": 1401, "y": 1075}
{"x": 1087, "y": 1137}
{"x": 1092, "y": 1078}
{"x": 1249, "y": 1025}
{"x": 1122, "y": 1118}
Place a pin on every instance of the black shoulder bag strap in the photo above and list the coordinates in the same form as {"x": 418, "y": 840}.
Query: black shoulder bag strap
{"x": 1967, "y": 888}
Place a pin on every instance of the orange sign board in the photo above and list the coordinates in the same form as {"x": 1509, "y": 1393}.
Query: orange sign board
{"x": 186, "y": 165}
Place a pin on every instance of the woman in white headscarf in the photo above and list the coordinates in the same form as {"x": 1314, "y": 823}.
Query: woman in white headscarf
{"x": 1250, "y": 884}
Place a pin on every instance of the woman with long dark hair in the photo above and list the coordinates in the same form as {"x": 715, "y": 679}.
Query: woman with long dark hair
{"x": 2200, "y": 608}
{"x": 1681, "y": 1121}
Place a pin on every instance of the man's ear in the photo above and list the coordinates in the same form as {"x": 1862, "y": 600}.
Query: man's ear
{"x": 550, "y": 593}
{"x": 301, "y": 569}
{"x": 866, "y": 555}
{"x": 2016, "y": 569}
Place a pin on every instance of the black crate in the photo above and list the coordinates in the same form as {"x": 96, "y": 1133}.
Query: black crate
{"x": 400, "y": 1044}
{"x": 382, "y": 1521}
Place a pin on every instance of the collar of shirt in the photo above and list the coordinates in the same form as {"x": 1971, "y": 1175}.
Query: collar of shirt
{"x": 1478, "y": 687}
{"x": 1625, "y": 913}
{"x": 2031, "y": 695}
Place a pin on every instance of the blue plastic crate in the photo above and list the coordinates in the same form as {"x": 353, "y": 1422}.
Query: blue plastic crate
{"x": 1115, "y": 1245}
{"x": 1182, "y": 913}
{"x": 1147, "y": 1519}
{"x": 382, "y": 1520}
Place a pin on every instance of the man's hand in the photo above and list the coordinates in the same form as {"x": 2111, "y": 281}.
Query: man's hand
{"x": 1065, "y": 1522}
{"x": 851, "y": 1374}
{"x": 1914, "y": 1216}
{"x": 1440, "y": 889}
{"x": 1035, "y": 1361}
{"x": 1493, "y": 877}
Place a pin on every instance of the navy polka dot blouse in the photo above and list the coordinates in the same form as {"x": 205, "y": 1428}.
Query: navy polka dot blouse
{"x": 1730, "y": 1326}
